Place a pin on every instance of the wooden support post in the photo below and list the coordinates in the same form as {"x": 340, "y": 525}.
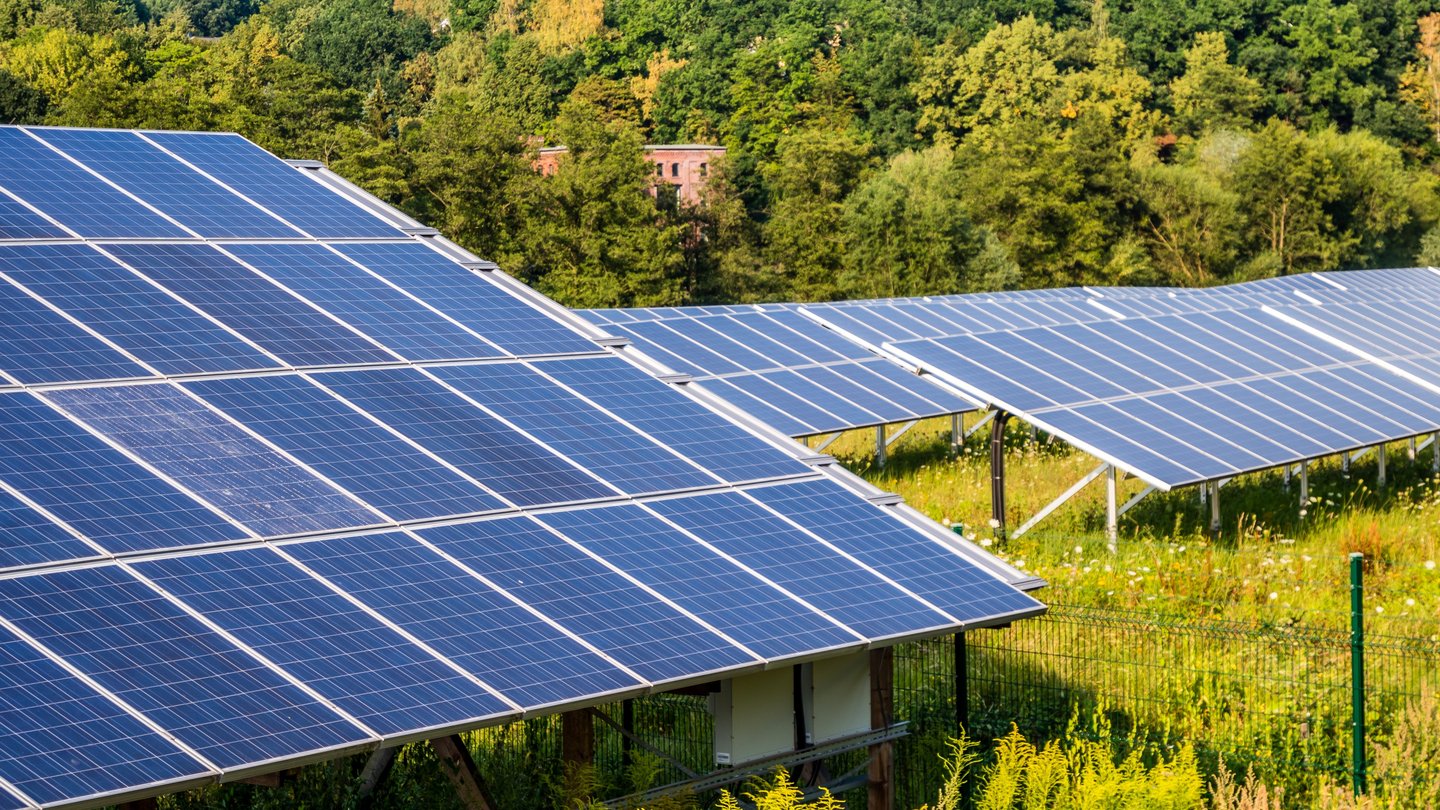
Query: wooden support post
{"x": 577, "y": 738}
{"x": 374, "y": 773}
{"x": 455, "y": 761}
{"x": 881, "y": 771}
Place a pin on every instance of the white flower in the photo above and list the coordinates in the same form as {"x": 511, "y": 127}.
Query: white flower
{"x": 1274, "y": 596}
{"x": 1019, "y": 563}
{"x": 1079, "y": 550}
{"x": 986, "y": 542}
{"x": 1409, "y": 603}
{"x": 945, "y": 521}
{"x": 1182, "y": 549}
{"x": 994, "y": 524}
{"x": 1429, "y": 565}
{"x": 1379, "y": 609}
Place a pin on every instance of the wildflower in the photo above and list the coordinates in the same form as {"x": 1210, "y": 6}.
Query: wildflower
{"x": 1379, "y": 609}
{"x": 986, "y": 542}
{"x": 945, "y": 521}
{"x": 1409, "y": 603}
{"x": 994, "y": 523}
{"x": 1182, "y": 549}
{"x": 1429, "y": 565}
{"x": 1274, "y": 596}
{"x": 1019, "y": 563}
{"x": 1079, "y": 550}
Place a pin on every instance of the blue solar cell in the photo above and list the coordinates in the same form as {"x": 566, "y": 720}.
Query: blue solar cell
{"x": 159, "y": 179}
{"x": 327, "y": 643}
{"x": 39, "y": 346}
{"x": 675, "y": 362}
{"x": 29, "y": 538}
{"x": 968, "y": 360}
{"x": 470, "y": 298}
{"x": 1315, "y": 397}
{"x": 272, "y": 183}
{"x": 722, "y": 593}
{"x": 704, "y": 360}
{"x": 105, "y": 496}
{"x": 479, "y": 444}
{"x": 797, "y": 323}
{"x": 19, "y": 222}
{"x": 74, "y": 197}
{"x": 252, "y": 306}
{"x": 346, "y": 447}
{"x": 60, "y": 740}
{"x": 127, "y": 310}
{"x": 215, "y": 459}
{"x": 918, "y": 561}
{"x": 185, "y": 677}
{"x": 337, "y": 286}
{"x": 659, "y": 410}
{"x": 767, "y": 412}
{"x": 822, "y": 396}
{"x": 900, "y": 386}
{"x": 738, "y": 328}
{"x": 732, "y": 350}
{"x": 802, "y": 335}
{"x": 577, "y": 429}
{"x": 507, "y": 647}
{"x": 864, "y": 396}
{"x": 760, "y": 540}
{"x": 633, "y": 627}
{"x": 771, "y": 391}
{"x": 1157, "y": 451}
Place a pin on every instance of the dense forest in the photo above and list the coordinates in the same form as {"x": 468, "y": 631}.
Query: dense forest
{"x": 875, "y": 147}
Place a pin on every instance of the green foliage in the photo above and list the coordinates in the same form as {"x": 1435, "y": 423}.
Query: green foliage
{"x": 778, "y": 793}
{"x": 1213, "y": 93}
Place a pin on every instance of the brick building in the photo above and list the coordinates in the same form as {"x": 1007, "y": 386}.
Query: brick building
{"x": 680, "y": 169}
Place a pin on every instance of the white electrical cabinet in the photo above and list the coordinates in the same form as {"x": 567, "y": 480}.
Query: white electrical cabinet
{"x": 754, "y": 716}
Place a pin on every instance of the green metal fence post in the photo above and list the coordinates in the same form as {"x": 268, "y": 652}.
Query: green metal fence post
{"x": 1357, "y": 670}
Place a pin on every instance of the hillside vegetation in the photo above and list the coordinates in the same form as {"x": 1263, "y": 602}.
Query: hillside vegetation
{"x": 876, "y": 147}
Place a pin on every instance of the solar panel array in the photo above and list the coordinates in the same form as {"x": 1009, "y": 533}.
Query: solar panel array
{"x": 281, "y": 481}
{"x": 780, "y": 367}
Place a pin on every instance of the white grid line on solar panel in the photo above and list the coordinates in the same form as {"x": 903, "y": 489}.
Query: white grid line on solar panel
{"x": 66, "y": 181}
{"x": 20, "y": 221}
{"x": 126, "y": 645}
{"x": 275, "y": 264}
{"x": 43, "y": 345}
{"x": 100, "y": 689}
{"x": 217, "y": 181}
{"x": 218, "y": 462}
{"x": 169, "y": 185}
{"x": 283, "y": 556}
{"x": 34, "y": 506}
{"x": 648, "y": 559}
{"x": 1215, "y": 419}
{"x": 1396, "y": 353}
{"x": 112, "y": 184}
{"x": 131, "y": 457}
{"x": 684, "y": 631}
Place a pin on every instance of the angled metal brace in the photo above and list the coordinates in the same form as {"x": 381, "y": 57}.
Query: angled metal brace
{"x": 1134, "y": 499}
{"x": 984, "y": 420}
{"x": 895, "y": 437}
{"x": 829, "y": 441}
{"x": 1064, "y": 496}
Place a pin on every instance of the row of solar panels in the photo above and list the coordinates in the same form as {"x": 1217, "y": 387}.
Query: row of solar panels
{"x": 271, "y": 499}
{"x": 1176, "y": 386}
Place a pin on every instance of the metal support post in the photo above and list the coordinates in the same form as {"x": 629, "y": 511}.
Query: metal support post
{"x": 1357, "y": 671}
{"x": 997, "y": 473}
{"x": 1410, "y": 450}
{"x": 957, "y": 432}
{"x": 1204, "y": 494}
{"x": 1344, "y": 462}
{"x": 962, "y": 685}
{"x": 880, "y": 446}
{"x": 1304, "y": 489}
{"x": 1380, "y": 466}
{"x": 627, "y": 722}
{"x": 1435, "y": 452}
{"x": 1215, "y": 508}
{"x": 1285, "y": 480}
{"x": 1112, "y": 513}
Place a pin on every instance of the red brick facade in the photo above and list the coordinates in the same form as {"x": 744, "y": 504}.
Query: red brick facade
{"x": 681, "y": 170}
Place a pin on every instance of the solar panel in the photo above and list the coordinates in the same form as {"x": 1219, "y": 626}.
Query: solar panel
{"x": 268, "y": 181}
{"x": 269, "y": 499}
{"x": 1186, "y": 398}
{"x": 344, "y": 653}
{"x": 131, "y": 313}
{"x": 780, "y": 367}
{"x": 224, "y": 704}
{"x": 72, "y": 196}
{"x": 182, "y": 193}
{"x": 272, "y": 318}
{"x": 62, "y": 741}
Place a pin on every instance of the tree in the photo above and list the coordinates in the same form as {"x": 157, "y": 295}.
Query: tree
{"x": 1213, "y": 93}
{"x": 19, "y": 102}
{"x": 1193, "y": 221}
{"x": 1284, "y": 184}
{"x": 596, "y": 238}
{"x": 814, "y": 171}
{"x": 908, "y": 233}
{"x": 1330, "y": 54}
{"x": 1009, "y": 75}
{"x": 353, "y": 39}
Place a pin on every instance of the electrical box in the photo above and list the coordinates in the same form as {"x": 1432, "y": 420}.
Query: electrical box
{"x": 836, "y": 695}
{"x": 754, "y": 716}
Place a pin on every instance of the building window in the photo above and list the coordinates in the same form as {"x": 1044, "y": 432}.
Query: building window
{"x": 659, "y": 169}
{"x": 704, "y": 169}
{"x": 674, "y": 169}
